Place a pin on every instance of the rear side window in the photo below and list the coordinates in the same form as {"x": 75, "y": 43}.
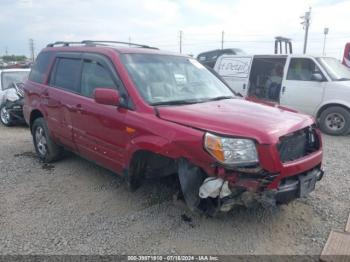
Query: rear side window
{"x": 94, "y": 75}
{"x": 66, "y": 73}
{"x": 40, "y": 67}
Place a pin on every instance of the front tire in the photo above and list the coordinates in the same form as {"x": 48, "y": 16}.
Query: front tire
{"x": 335, "y": 121}
{"x": 5, "y": 116}
{"x": 47, "y": 150}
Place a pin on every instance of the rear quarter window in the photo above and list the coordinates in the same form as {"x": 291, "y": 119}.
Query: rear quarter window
{"x": 40, "y": 68}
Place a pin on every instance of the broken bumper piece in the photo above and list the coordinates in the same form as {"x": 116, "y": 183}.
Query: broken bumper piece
{"x": 228, "y": 196}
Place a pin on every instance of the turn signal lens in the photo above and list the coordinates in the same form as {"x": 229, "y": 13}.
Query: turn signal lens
{"x": 214, "y": 145}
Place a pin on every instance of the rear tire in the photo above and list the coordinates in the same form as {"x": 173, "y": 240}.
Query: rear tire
{"x": 335, "y": 121}
{"x": 5, "y": 116}
{"x": 47, "y": 150}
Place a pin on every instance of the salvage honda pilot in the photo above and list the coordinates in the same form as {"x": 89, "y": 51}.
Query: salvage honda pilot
{"x": 143, "y": 113}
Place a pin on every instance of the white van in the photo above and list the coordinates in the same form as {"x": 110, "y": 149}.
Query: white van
{"x": 319, "y": 86}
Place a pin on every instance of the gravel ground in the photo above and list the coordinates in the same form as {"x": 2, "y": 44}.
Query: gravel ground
{"x": 77, "y": 207}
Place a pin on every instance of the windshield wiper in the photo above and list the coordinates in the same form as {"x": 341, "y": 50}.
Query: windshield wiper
{"x": 220, "y": 98}
{"x": 190, "y": 101}
{"x": 343, "y": 79}
{"x": 177, "y": 102}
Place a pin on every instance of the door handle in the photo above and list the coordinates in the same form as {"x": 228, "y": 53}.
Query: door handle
{"x": 283, "y": 89}
{"x": 244, "y": 86}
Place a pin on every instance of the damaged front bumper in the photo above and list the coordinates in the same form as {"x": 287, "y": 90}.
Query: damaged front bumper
{"x": 15, "y": 109}
{"x": 226, "y": 197}
{"x": 298, "y": 186}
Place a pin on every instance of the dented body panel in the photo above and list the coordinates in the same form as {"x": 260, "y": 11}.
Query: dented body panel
{"x": 112, "y": 136}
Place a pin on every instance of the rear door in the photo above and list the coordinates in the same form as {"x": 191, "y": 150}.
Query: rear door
{"x": 99, "y": 130}
{"x": 61, "y": 95}
{"x": 235, "y": 70}
{"x": 300, "y": 90}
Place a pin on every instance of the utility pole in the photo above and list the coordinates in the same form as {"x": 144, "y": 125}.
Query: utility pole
{"x": 306, "y": 23}
{"x": 6, "y": 51}
{"x": 222, "y": 39}
{"x": 31, "y": 48}
{"x": 180, "y": 42}
{"x": 326, "y": 30}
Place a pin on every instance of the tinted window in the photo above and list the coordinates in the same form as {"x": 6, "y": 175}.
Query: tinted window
{"x": 94, "y": 75}
{"x": 302, "y": 69}
{"x": 66, "y": 74}
{"x": 40, "y": 67}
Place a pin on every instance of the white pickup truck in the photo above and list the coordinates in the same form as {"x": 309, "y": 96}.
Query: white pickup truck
{"x": 318, "y": 86}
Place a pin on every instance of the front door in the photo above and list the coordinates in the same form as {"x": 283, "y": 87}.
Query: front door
{"x": 303, "y": 85}
{"x": 99, "y": 130}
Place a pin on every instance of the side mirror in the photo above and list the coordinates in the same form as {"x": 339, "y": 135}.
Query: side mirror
{"x": 107, "y": 96}
{"x": 317, "y": 77}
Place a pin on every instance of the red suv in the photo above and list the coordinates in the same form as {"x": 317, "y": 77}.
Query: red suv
{"x": 142, "y": 112}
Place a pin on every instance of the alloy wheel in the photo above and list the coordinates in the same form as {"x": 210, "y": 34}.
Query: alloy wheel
{"x": 335, "y": 121}
{"x": 5, "y": 115}
{"x": 41, "y": 142}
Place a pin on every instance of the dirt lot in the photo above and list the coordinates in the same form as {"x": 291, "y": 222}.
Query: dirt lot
{"x": 76, "y": 207}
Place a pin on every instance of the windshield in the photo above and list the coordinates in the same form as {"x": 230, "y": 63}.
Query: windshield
{"x": 336, "y": 70}
{"x": 7, "y": 78}
{"x": 165, "y": 79}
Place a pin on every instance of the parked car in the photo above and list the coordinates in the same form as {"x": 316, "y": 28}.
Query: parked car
{"x": 318, "y": 86}
{"x": 346, "y": 56}
{"x": 209, "y": 58}
{"x": 11, "y": 95}
{"x": 143, "y": 113}
{"x": 11, "y": 110}
{"x": 3, "y": 64}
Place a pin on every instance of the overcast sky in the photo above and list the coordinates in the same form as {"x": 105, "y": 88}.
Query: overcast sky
{"x": 248, "y": 24}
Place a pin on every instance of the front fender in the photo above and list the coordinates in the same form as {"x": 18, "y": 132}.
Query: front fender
{"x": 154, "y": 144}
{"x": 332, "y": 102}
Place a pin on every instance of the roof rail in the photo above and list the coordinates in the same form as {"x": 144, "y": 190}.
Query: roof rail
{"x": 98, "y": 42}
{"x": 92, "y": 42}
{"x": 63, "y": 43}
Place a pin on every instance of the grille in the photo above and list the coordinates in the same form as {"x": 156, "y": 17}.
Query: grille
{"x": 298, "y": 144}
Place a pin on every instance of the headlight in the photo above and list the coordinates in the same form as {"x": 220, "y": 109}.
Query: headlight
{"x": 232, "y": 151}
{"x": 12, "y": 97}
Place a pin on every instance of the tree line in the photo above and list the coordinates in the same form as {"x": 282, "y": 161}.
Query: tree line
{"x": 16, "y": 58}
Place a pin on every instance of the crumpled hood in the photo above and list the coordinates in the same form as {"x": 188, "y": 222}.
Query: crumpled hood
{"x": 235, "y": 117}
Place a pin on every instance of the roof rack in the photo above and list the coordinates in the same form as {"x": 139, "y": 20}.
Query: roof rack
{"x": 98, "y": 42}
{"x": 63, "y": 43}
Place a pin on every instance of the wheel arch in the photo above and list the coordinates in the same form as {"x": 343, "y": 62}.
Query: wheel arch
{"x": 331, "y": 104}
{"x": 34, "y": 114}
